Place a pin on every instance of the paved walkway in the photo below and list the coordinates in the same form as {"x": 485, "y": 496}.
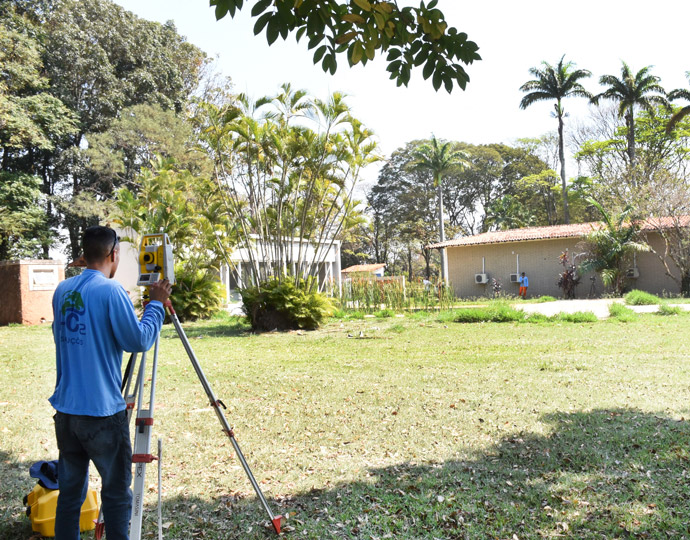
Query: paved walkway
{"x": 600, "y": 307}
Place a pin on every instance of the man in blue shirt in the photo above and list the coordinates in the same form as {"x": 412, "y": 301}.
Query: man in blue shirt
{"x": 94, "y": 322}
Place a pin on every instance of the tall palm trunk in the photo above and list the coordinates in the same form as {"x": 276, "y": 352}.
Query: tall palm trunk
{"x": 630, "y": 121}
{"x": 561, "y": 157}
{"x": 442, "y": 233}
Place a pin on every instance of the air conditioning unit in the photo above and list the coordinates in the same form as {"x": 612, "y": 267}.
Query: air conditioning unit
{"x": 481, "y": 279}
{"x": 632, "y": 273}
{"x": 515, "y": 278}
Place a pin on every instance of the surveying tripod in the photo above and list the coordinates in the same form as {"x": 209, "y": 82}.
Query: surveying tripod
{"x": 133, "y": 392}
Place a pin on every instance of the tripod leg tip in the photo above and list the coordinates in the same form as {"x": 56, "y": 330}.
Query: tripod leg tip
{"x": 276, "y": 523}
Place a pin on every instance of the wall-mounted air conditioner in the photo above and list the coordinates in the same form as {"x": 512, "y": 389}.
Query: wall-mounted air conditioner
{"x": 481, "y": 279}
{"x": 515, "y": 278}
{"x": 632, "y": 273}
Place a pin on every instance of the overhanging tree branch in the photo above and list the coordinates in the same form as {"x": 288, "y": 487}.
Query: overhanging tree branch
{"x": 361, "y": 29}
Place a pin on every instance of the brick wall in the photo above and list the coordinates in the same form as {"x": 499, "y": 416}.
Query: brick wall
{"x": 26, "y": 290}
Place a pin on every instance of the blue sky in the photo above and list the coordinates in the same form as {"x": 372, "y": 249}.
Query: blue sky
{"x": 512, "y": 36}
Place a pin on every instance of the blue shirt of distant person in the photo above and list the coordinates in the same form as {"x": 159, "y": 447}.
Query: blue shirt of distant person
{"x": 524, "y": 283}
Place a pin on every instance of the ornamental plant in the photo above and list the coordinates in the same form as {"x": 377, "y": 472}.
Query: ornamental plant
{"x": 276, "y": 305}
{"x": 568, "y": 279}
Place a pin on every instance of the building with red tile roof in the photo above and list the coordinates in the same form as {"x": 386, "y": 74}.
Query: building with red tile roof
{"x": 475, "y": 261}
{"x": 376, "y": 269}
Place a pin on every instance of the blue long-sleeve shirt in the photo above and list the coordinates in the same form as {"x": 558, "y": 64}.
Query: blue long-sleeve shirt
{"x": 94, "y": 322}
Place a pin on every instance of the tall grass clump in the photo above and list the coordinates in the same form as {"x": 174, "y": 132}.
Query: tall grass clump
{"x": 578, "y": 317}
{"x": 666, "y": 310}
{"x": 536, "y": 318}
{"x": 641, "y": 298}
{"x": 495, "y": 312}
{"x": 397, "y": 329}
{"x": 621, "y": 313}
{"x": 371, "y": 295}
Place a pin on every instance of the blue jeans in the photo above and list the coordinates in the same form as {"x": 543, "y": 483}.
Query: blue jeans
{"x": 105, "y": 441}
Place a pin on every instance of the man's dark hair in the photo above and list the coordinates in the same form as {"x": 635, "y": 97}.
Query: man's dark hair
{"x": 98, "y": 243}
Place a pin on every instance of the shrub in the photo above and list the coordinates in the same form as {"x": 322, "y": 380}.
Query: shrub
{"x": 568, "y": 279}
{"x": 197, "y": 294}
{"x": 496, "y": 287}
{"x": 578, "y": 317}
{"x": 641, "y": 298}
{"x": 284, "y": 306}
{"x": 665, "y": 309}
{"x": 621, "y": 313}
{"x": 384, "y": 314}
{"x": 545, "y": 298}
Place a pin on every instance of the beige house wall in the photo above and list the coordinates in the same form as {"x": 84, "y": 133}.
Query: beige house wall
{"x": 539, "y": 260}
{"x": 653, "y": 276}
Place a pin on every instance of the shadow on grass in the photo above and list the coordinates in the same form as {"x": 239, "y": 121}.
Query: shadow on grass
{"x": 233, "y": 327}
{"x": 15, "y": 483}
{"x": 600, "y": 474}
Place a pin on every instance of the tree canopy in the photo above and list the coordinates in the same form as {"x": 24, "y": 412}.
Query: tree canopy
{"x": 630, "y": 90}
{"x": 556, "y": 82}
{"x": 57, "y": 96}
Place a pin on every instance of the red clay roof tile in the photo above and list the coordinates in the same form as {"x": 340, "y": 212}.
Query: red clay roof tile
{"x": 363, "y": 268}
{"x": 554, "y": 231}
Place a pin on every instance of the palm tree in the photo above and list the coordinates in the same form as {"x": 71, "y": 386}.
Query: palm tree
{"x": 439, "y": 158}
{"x": 611, "y": 246}
{"x": 556, "y": 82}
{"x": 682, "y": 113}
{"x": 640, "y": 89}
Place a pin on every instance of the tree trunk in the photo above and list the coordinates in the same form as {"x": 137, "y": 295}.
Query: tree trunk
{"x": 427, "y": 262}
{"x": 685, "y": 285}
{"x": 409, "y": 263}
{"x": 377, "y": 253}
{"x": 442, "y": 233}
{"x": 48, "y": 191}
{"x": 561, "y": 157}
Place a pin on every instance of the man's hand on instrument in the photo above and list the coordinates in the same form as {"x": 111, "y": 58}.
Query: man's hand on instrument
{"x": 160, "y": 291}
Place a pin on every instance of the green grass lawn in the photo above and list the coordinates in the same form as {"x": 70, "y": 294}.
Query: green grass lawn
{"x": 408, "y": 428}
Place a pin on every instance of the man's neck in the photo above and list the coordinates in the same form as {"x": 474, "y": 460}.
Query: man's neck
{"x": 105, "y": 267}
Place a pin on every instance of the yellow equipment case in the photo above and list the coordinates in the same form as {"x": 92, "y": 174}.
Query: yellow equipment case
{"x": 41, "y": 504}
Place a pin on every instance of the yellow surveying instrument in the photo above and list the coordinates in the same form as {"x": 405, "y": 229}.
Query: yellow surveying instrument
{"x": 156, "y": 263}
{"x": 155, "y": 260}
